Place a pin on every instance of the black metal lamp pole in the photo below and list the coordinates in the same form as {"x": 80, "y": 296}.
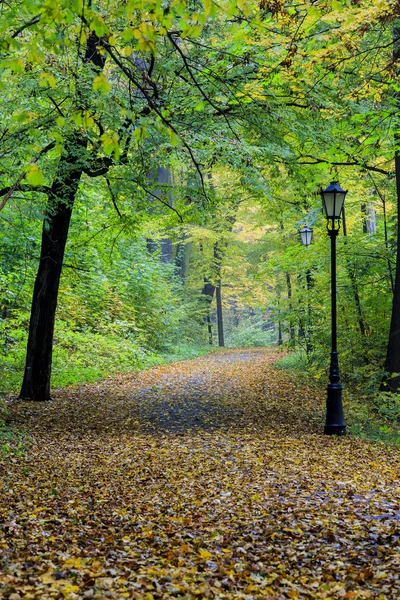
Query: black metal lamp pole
{"x": 333, "y": 199}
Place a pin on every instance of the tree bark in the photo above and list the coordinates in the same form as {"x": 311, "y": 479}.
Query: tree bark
{"x": 208, "y": 291}
{"x": 220, "y": 322}
{"x": 39, "y": 354}
{"x": 163, "y": 177}
{"x": 354, "y": 285}
{"x": 36, "y": 382}
{"x": 391, "y": 381}
{"x": 218, "y": 296}
{"x": 289, "y": 295}
{"x": 182, "y": 259}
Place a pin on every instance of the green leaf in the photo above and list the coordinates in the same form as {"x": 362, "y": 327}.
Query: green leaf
{"x": 101, "y": 84}
{"x": 34, "y": 175}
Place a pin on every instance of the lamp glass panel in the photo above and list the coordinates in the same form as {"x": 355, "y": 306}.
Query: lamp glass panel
{"x": 329, "y": 204}
{"x": 339, "y": 203}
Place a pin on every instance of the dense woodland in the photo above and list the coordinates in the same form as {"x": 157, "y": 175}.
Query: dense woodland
{"x": 158, "y": 159}
{"x": 157, "y": 162}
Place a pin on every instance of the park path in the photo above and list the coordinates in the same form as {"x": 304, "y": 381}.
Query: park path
{"x": 206, "y": 478}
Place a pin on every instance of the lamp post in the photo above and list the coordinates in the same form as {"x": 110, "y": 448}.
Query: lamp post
{"x": 333, "y": 198}
{"x": 306, "y": 234}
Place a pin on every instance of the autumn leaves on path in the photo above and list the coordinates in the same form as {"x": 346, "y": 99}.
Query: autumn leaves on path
{"x": 203, "y": 479}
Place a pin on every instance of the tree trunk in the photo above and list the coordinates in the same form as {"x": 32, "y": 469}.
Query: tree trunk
{"x": 220, "y": 322}
{"x": 280, "y": 338}
{"x": 208, "y": 291}
{"x": 385, "y": 231}
{"x": 162, "y": 176}
{"x": 289, "y": 295}
{"x": 391, "y": 381}
{"x": 39, "y": 354}
{"x": 392, "y": 363}
{"x": 354, "y": 285}
{"x": 182, "y": 259}
{"x": 309, "y": 284}
{"x": 36, "y": 382}
{"x": 217, "y": 266}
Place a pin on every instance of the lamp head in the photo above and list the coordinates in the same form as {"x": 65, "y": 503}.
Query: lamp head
{"x": 333, "y": 199}
{"x": 306, "y": 234}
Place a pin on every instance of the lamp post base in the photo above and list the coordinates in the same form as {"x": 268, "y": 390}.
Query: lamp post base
{"x": 335, "y": 430}
{"x": 334, "y": 424}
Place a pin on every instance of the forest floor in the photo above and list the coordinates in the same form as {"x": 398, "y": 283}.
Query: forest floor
{"x": 207, "y": 478}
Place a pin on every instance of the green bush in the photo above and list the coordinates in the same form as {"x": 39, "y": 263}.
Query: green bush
{"x": 252, "y": 335}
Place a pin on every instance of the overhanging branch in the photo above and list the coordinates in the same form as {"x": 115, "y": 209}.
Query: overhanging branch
{"x": 350, "y": 163}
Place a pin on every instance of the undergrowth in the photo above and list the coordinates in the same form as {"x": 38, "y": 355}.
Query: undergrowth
{"x": 369, "y": 414}
{"x": 90, "y": 357}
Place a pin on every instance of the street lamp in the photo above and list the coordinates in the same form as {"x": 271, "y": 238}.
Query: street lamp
{"x": 306, "y": 235}
{"x": 333, "y": 198}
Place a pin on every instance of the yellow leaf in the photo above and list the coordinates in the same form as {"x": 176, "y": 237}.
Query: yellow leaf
{"x": 34, "y": 176}
{"x": 204, "y": 554}
{"x": 101, "y": 84}
{"x": 75, "y": 562}
{"x": 47, "y": 79}
{"x": 47, "y": 577}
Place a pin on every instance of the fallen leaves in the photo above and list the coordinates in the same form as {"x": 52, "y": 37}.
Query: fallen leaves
{"x": 194, "y": 480}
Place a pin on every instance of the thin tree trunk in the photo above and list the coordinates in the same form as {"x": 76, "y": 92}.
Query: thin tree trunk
{"x": 385, "y": 229}
{"x": 218, "y": 296}
{"x": 208, "y": 291}
{"x": 289, "y": 295}
{"x": 209, "y": 327}
{"x": 220, "y": 322}
{"x": 354, "y": 284}
{"x": 309, "y": 284}
{"x": 164, "y": 178}
{"x": 280, "y": 338}
{"x": 182, "y": 259}
{"x": 391, "y": 381}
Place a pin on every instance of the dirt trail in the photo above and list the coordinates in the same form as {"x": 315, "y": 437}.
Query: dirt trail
{"x": 203, "y": 479}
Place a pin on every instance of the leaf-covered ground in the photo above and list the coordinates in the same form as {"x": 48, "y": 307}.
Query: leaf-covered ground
{"x": 203, "y": 479}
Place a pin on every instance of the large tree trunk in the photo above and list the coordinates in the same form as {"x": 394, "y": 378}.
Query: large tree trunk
{"x": 391, "y": 381}
{"x": 36, "y": 382}
{"x": 392, "y": 363}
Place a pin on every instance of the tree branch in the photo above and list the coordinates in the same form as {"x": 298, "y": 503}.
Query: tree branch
{"x": 8, "y": 191}
{"x": 353, "y": 163}
{"x": 33, "y": 21}
{"x": 112, "y": 196}
{"x": 150, "y": 193}
{"x": 154, "y": 107}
